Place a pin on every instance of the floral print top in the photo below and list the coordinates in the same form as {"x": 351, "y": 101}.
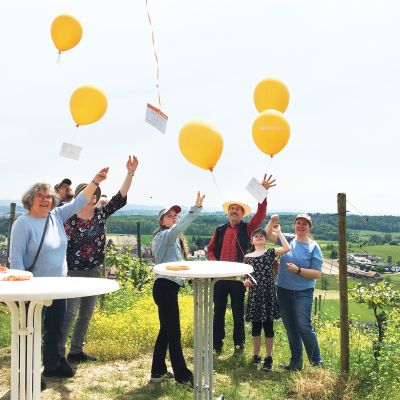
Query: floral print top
{"x": 87, "y": 238}
{"x": 262, "y": 304}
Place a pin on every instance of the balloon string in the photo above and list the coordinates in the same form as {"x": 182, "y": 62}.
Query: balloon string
{"x": 269, "y": 165}
{"x": 74, "y": 135}
{"x": 218, "y": 191}
{"x": 155, "y": 55}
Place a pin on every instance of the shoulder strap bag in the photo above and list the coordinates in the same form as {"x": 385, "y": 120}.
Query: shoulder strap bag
{"x": 30, "y": 269}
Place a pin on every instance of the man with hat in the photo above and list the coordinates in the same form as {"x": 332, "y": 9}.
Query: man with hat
{"x": 64, "y": 191}
{"x": 230, "y": 242}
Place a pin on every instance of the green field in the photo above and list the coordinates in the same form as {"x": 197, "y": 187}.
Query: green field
{"x": 383, "y": 251}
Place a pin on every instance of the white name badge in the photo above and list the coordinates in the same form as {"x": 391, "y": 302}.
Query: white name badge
{"x": 69, "y": 150}
{"x": 257, "y": 190}
{"x": 156, "y": 118}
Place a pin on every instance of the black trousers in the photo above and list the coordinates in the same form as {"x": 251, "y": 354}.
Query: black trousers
{"x": 236, "y": 291}
{"x": 53, "y": 323}
{"x": 165, "y": 294}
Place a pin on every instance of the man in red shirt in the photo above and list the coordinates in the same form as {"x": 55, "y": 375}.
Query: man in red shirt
{"x": 230, "y": 242}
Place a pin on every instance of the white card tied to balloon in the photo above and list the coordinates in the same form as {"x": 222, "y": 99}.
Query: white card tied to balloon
{"x": 69, "y": 150}
{"x": 257, "y": 190}
{"x": 156, "y": 118}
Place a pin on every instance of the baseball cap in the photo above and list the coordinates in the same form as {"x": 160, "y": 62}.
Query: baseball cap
{"x": 82, "y": 186}
{"x": 164, "y": 210}
{"x": 64, "y": 181}
{"x": 305, "y": 216}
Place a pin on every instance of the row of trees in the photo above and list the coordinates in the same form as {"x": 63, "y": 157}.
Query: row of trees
{"x": 324, "y": 226}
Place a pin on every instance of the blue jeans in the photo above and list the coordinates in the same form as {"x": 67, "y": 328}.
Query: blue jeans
{"x": 296, "y": 308}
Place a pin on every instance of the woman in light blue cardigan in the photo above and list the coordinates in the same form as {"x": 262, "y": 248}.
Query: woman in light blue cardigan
{"x": 26, "y": 234}
{"x": 169, "y": 245}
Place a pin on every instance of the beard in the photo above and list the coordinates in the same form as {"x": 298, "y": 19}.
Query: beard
{"x": 69, "y": 196}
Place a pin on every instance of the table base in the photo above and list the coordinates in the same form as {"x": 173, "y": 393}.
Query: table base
{"x": 26, "y": 343}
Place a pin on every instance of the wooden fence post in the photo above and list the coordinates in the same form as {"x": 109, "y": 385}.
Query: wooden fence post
{"x": 343, "y": 293}
{"x": 139, "y": 240}
{"x": 10, "y": 224}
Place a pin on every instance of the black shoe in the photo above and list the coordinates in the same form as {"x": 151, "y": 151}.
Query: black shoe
{"x": 239, "y": 349}
{"x": 188, "y": 382}
{"x": 318, "y": 365}
{"x": 218, "y": 350}
{"x": 256, "y": 359}
{"x": 43, "y": 385}
{"x": 161, "y": 377}
{"x": 63, "y": 370}
{"x": 290, "y": 367}
{"x": 80, "y": 357}
{"x": 267, "y": 364}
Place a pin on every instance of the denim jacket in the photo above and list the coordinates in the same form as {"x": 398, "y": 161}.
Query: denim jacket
{"x": 166, "y": 246}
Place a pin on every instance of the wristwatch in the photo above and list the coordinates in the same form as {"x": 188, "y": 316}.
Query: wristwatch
{"x": 298, "y": 271}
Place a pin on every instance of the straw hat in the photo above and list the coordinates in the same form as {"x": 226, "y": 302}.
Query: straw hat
{"x": 245, "y": 207}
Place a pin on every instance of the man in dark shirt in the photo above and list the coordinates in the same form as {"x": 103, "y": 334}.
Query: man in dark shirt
{"x": 64, "y": 191}
{"x": 230, "y": 242}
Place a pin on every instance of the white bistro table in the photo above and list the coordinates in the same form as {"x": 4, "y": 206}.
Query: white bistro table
{"x": 204, "y": 275}
{"x": 26, "y": 299}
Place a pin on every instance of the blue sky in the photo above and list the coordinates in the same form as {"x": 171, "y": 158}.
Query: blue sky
{"x": 340, "y": 60}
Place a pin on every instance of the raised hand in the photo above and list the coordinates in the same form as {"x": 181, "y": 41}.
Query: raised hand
{"x": 101, "y": 175}
{"x": 268, "y": 182}
{"x": 199, "y": 199}
{"x": 132, "y": 164}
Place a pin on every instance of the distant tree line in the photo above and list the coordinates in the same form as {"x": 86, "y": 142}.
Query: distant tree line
{"x": 324, "y": 226}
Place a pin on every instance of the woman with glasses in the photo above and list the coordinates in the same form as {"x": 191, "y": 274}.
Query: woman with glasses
{"x": 170, "y": 245}
{"x": 26, "y": 234}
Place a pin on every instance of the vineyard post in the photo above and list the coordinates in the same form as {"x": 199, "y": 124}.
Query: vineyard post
{"x": 343, "y": 291}
{"x": 10, "y": 224}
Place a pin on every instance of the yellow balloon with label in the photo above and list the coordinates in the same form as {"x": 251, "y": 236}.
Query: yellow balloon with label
{"x": 271, "y": 94}
{"x": 201, "y": 144}
{"x": 88, "y": 104}
{"x": 66, "y": 32}
{"x": 271, "y": 132}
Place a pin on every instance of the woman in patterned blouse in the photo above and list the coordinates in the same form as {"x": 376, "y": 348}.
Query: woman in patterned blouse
{"x": 86, "y": 233}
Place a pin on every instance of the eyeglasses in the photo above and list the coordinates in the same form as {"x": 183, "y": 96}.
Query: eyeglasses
{"x": 45, "y": 197}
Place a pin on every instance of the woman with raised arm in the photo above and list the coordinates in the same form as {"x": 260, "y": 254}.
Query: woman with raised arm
{"x": 86, "y": 231}
{"x": 45, "y": 219}
{"x": 298, "y": 271}
{"x": 168, "y": 245}
{"x": 262, "y": 305}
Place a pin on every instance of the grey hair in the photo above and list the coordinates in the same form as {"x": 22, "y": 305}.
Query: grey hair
{"x": 27, "y": 198}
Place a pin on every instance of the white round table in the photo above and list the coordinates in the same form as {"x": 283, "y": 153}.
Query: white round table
{"x": 26, "y": 299}
{"x": 204, "y": 275}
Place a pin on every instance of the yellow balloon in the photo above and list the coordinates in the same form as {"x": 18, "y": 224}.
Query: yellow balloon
{"x": 271, "y": 94}
{"x": 201, "y": 144}
{"x": 88, "y": 104}
{"x": 271, "y": 132}
{"x": 66, "y": 32}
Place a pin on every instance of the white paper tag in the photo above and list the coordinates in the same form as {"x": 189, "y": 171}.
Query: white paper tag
{"x": 257, "y": 190}
{"x": 69, "y": 150}
{"x": 156, "y": 118}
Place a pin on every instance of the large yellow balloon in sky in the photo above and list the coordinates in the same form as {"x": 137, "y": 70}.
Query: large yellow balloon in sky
{"x": 88, "y": 104}
{"x": 271, "y": 94}
{"x": 201, "y": 144}
{"x": 271, "y": 132}
{"x": 66, "y": 32}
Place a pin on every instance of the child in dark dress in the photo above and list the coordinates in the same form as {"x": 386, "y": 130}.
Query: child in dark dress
{"x": 262, "y": 306}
